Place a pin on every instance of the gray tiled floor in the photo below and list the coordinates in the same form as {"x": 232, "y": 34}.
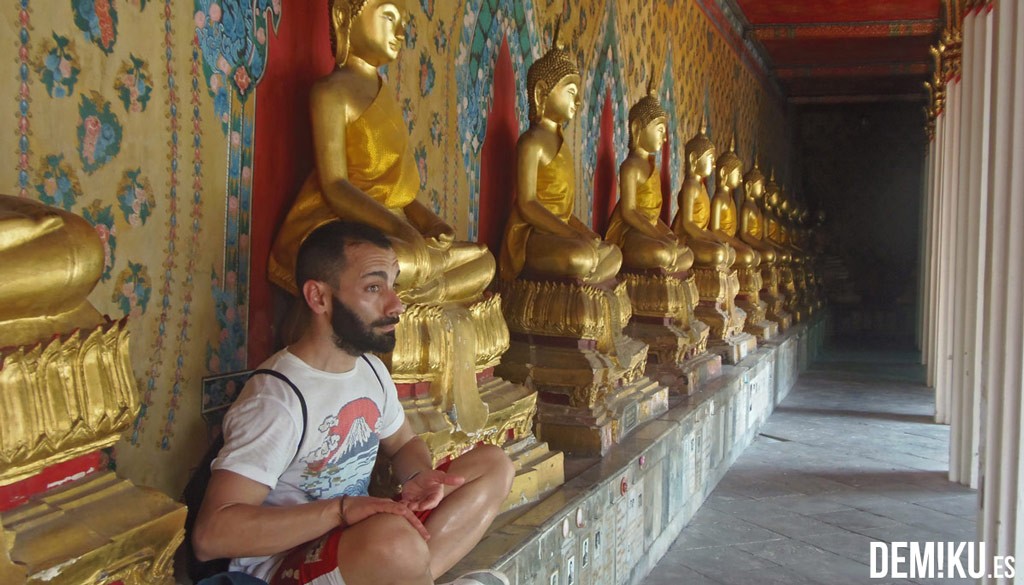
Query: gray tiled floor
{"x": 852, "y": 456}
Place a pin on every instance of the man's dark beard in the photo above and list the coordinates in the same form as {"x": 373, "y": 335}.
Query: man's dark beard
{"x": 354, "y": 336}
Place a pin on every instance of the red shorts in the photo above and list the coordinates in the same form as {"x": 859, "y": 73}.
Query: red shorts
{"x": 316, "y": 562}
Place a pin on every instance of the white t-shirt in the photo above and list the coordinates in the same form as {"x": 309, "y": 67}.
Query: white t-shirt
{"x": 348, "y": 414}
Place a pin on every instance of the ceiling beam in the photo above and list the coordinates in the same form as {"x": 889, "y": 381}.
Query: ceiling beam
{"x": 858, "y": 99}
{"x": 871, "y": 70}
{"x": 847, "y": 30}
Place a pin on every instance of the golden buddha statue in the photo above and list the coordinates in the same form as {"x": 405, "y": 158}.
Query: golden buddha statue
{"x": 562, "y": 302}
{"x": 635, "y": 226}
{"x": 722, "y": 219}
{"x": 717, "y": 282}
{"x": 51, "y": 259}
{"x": 543, "y": 239}
{"x": 67, "y": 391}
{"x": 655, "y": 264}
{"x": 694, "y": 216}
{"x": 724, "y": 223}
{"x": 752, "y": 231}
{"x": 775, "y": 234}
{"x": 451, "y": 335}
{"x": 365, "y": 172}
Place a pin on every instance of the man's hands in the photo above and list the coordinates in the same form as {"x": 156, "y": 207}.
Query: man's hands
{"x": 354, "y": 509}
{"x": 426, "y": 489}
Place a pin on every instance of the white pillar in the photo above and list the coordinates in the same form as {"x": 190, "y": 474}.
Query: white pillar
{"x": 972, "y": 219}
{"x": 1001, "y": 523}
{"x": 947, "y": 254}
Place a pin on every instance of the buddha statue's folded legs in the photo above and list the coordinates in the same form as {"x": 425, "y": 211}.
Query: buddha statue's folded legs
{"x": 591, "y": 262}
{"x": 51, "y": 260}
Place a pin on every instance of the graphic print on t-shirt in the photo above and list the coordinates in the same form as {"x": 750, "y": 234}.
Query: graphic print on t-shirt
{"x": 342, "y": 464}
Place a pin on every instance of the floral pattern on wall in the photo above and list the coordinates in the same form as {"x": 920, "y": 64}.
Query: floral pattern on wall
{"x": 57, "y": 66}
{"x": 99, "y": 132}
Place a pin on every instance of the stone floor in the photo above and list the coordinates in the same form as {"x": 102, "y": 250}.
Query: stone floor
{"x": 851, "y": 456}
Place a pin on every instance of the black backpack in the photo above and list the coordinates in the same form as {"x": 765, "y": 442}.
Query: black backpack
{"x": 196, "y": 489}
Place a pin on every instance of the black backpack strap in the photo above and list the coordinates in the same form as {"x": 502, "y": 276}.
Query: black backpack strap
{"x": 295, "y": 389}
{"x": 379, "y": 380}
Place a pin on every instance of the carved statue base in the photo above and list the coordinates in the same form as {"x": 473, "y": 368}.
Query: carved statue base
{"x": 774, "y": 299}
{"x": 749, "y": 299}
{"x": 717, "y": 307}
{"x": 663, "y": 317}
{"x": 568, "y": 344}
{"x": 62, "y": 400}
{"x": 100, "y": 530}
{"x": 443, "y": 365}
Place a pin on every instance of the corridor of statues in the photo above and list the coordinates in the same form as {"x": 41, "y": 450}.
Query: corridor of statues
{"x": 559, "y": 344}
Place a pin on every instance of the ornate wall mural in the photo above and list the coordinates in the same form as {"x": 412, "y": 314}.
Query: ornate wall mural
{"x": 108, "y": 124}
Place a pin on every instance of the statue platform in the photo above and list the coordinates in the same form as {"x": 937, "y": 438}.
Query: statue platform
{"x": 567, "y": 343}
{"x": 718, "y": 290}
{"x": 616, "y": 516}
{"x": 749, "y": 299}
{"x": 63, "y": 521}
{"x": 663, "y": 317}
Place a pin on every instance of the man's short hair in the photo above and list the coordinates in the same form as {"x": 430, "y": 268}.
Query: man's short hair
{"x": 322, "y": 253}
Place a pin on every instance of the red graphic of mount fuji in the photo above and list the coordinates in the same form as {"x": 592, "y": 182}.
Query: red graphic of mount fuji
{"x": 361, "y": 413}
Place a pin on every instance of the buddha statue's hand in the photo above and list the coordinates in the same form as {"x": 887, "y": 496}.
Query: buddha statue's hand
{"x": 414, "y": 257}
{"x": 441, "y": 234}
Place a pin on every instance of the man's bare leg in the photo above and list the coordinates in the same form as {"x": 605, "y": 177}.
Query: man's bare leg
{"x": 460, "y": 520}
{"x": 383, "y": 550}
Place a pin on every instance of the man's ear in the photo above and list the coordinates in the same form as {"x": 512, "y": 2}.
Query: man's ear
{"x": 317, "y": 296}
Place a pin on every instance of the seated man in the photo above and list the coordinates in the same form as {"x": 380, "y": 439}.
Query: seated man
{"x": 296, "y": 517}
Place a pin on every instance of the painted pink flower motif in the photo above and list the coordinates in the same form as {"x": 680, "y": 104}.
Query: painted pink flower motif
{"x": 50, "y": 186}
{"x": 23, "y": 53}
{"x": 230, "y": 314}
{"x": 242, "y": 79}
{"x": 200, "y": 19}
{"x": 261, "y": 35}
{"x": 215, "y": 82}
{"x": 223, "y": 64}
{"x": 230, "y": 280}
{"x": 246, "y": 175}
{"x": 236, "y": 139}
{"x": 214, "y": 364}
{"x": 233, "y": 204}
{"x": 65, "y": 68}
{"x": 215, "y": 12}
{"x": 92, "y": 134}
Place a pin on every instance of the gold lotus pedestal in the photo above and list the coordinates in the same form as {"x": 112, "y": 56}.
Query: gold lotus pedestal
{"x": 443, "y": 365}
{"x": 568, "y": 344}
{"x": 749, "y": 299}
{"x": 663, "y": 317}
{"x": 718, "y": 289}
{"x": 61, "y": 401}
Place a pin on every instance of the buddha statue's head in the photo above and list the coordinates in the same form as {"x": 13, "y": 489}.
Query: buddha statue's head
{"x": 753, "y": 181}
{"x": 771, "y": 193}
{"x": 730, "y": 167}
{"x": 647, "y": 122}
{"x": 373, "y": 30}
{"x": 783, "y": 207}
{"x": 700, "y": 153}
{"x": 553, "y": 84}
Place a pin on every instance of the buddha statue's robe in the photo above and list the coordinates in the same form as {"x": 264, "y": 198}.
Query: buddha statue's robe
{"x": 746, "y": 256}
{"x": 556, "y": 193}
{"x": 660, "y": 254}
{"x": 380, "y": 165}
{"x": 708, "y": 251}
